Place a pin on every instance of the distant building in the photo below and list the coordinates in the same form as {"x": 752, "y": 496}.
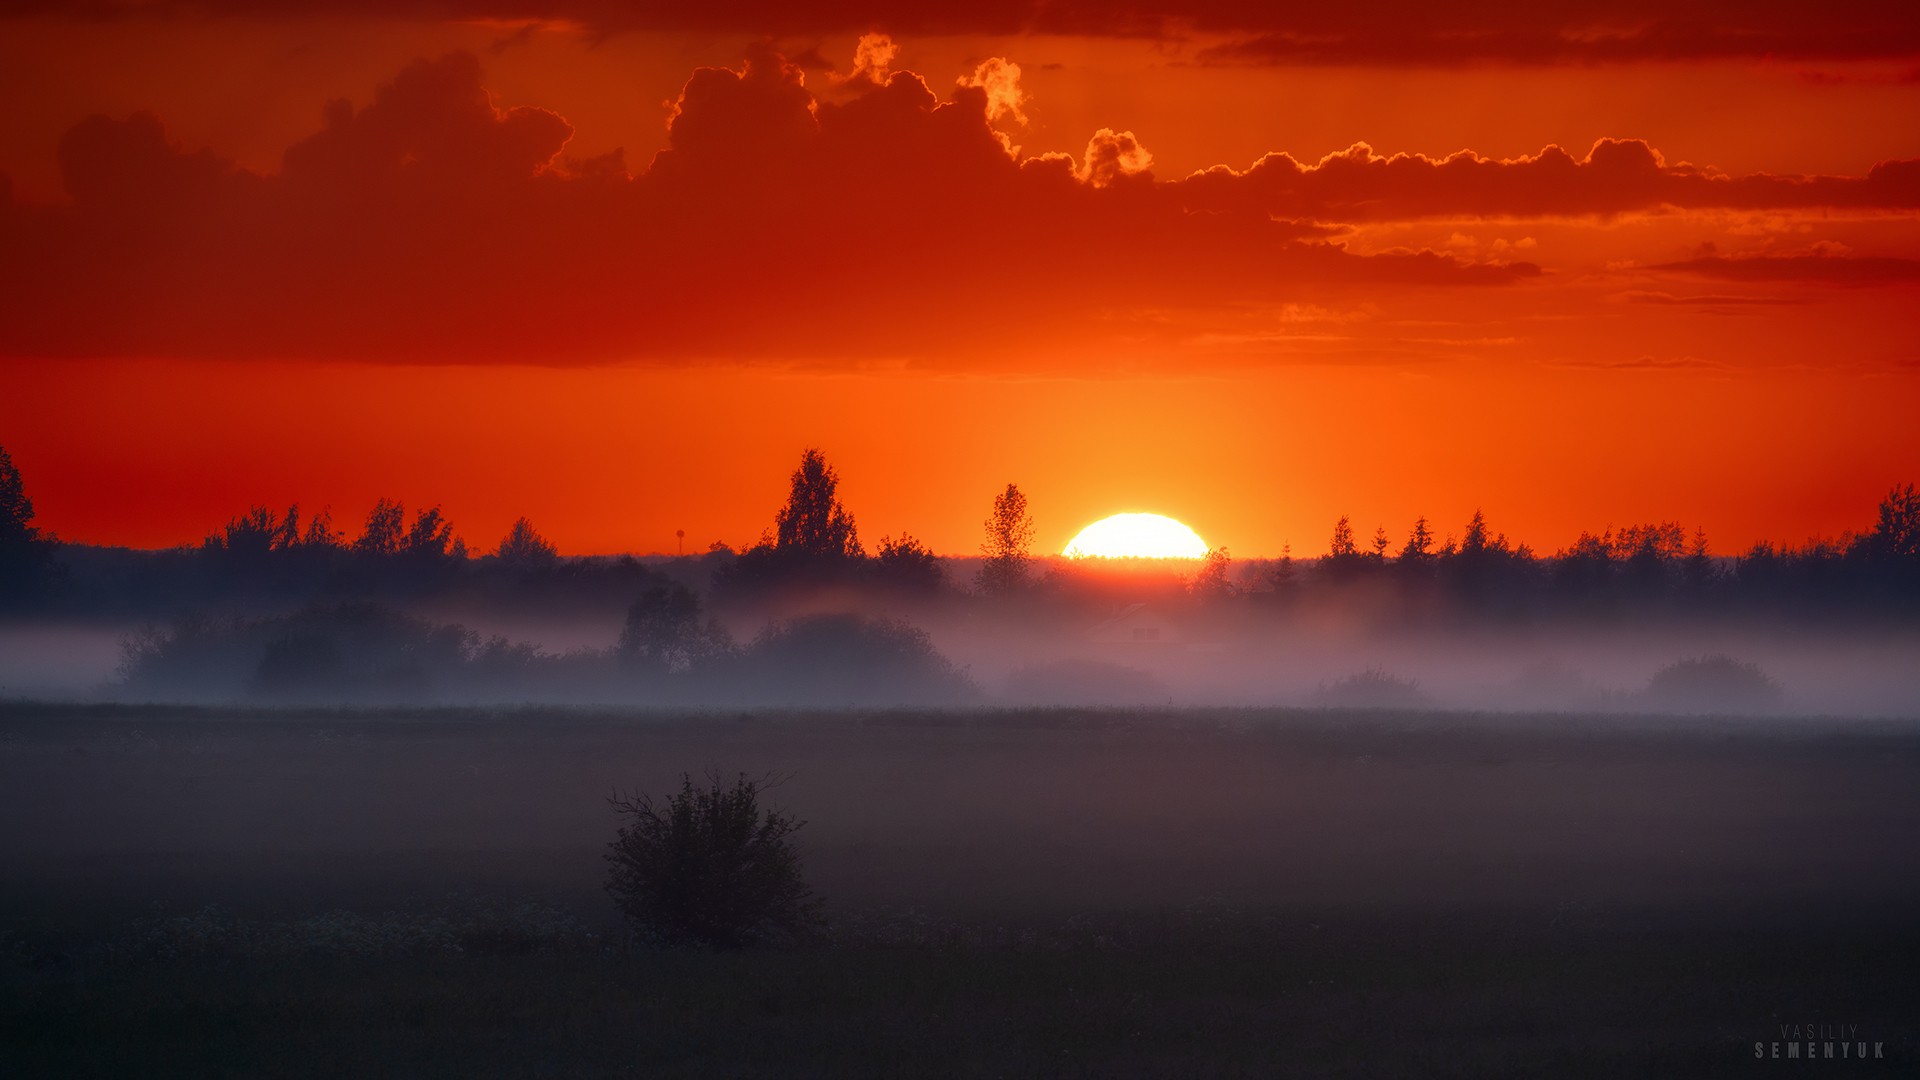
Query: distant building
{"x": 1137, "y": 624}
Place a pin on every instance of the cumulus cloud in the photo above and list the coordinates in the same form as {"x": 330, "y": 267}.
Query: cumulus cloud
{"x": 1614, "y": 176}
{"x": 1000, "y": 79}
{"x": 432, "y": 224}
{"x": 1112, "y": 155}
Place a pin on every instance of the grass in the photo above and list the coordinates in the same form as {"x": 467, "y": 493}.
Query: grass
{"x": 1399, "y": 894}
{"x": 1235, "y": 996}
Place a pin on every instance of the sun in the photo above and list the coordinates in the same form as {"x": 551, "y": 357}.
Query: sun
{"x": 1136, "y": 536}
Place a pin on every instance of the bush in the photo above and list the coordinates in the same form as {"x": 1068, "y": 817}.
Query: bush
{"x": 843, "y": 659}
{"x": 708, "y": 866}
{"x": 1372, "y": 689}
{"x": 1715, "y": 683}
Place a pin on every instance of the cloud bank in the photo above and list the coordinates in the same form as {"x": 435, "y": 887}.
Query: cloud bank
{"x": 875, "y": 219}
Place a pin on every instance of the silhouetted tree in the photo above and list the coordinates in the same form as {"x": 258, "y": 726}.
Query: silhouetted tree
{"x": 1212, "y": 581}
{"x": 252, "y": 534}
{"x": 1896, "y": 533}
{"x": 1342, "y": 545}
{"x": 523, "y": 548}
{"x": 665, "y": 634}
{"x": 814, "y": 541}
{"x": 16, "y": 510}
{"x": 1380, "y": 545}
{"x": 384, "y": 531}
{"x": 431, "y": 537}
{"x": 26, "y": 556}
{"x": 321, "y": 533}
{"x": 907, "y": 566}
{"x": 1475, "y": 541}
{"x": 1419, "y": 544}
{"x": 1009, "y": 541}
{"x": 1282, "y": 577}
{"x": 813, "y": 523}
{"x": 708, "y": 866}
{"x": 1343, "y": 561}
{"x": 846, "y": 659}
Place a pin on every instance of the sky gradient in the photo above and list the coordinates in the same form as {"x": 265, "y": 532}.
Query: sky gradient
{"x": 1579, "y": 268}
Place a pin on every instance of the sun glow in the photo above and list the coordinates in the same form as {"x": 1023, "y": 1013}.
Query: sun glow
{"x": 1136, "y": 536}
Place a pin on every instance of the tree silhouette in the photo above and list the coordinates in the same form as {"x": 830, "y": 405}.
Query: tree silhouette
{"x": 813, "y": 523}
{"x": 523, "y": 548}
{"x": 665, "y": 635}
{"x": 1896, "y": 534}
{"x": 906, "y": 566}
{"x": 1342, "y": 545}
{"x": 26, "y": 556}
{"x": 1211, "y": 581}
{"x": 1419, "y": 542}
{"x": 431, "y": 537}
{"x": 1009, "y": 541}
{"x": 384, "y": 530}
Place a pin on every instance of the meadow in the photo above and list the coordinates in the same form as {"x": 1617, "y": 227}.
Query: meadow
{"x": 192, "y": 891}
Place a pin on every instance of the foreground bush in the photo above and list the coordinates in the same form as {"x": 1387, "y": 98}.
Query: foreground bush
{"x": 708, "y": 866}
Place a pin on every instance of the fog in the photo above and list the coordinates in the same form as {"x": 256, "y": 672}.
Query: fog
{"x": 1006, "y": 659}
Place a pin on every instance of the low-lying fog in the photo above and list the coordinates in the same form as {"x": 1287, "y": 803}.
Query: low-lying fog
{"x": 1136, "y": 656}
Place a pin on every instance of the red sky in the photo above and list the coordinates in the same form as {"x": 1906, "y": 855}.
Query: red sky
{"x": 1579, "y": 266}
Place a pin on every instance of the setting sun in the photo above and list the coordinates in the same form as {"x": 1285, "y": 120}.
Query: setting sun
{"x": 1136, "y": 536}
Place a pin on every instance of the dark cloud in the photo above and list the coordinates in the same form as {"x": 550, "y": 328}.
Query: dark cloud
{"x": 432, "y": 225}
{"x": 1398, "y": 32}
{"x": 1817, "y": 267}
{"x": 1709, "y": 300}
{"x": 1615, "y": 176}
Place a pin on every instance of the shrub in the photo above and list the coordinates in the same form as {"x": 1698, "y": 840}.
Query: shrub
{"x": 843, "y": 659}
{"x": 1372, "y": 689}
{"x": 1714, "y": 683}
{"x": 708, "y": 866}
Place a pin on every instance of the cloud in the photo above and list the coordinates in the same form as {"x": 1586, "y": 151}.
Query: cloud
{"x": 1112, "y": 156}
{"x": 432, "y": 224}
{"x": 1527, "y": 42}
{"x": 1816, "y": 267}
{"x": 1000, "y": 78}
{"x": 1396, "y": 32}
{"x": 1709, "y": 300}
{"x": 1615, "y": 176}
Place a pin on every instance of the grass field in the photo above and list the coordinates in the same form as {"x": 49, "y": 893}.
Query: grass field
{"x": 1016, "y": 893}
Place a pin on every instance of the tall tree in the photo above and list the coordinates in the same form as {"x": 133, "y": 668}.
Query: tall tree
{"x": 1342, "y": 545}
{"x": 524, "y": 548}
{"x": 384, "y": 531}
{"x": 1008, "y": 545}
{"x": 1419, "y": 541}
{"x": 1213, "y": 578}
{"x": 813, "y": 523}
{"x": 26, "y": 556}
{"x": 1380, "y": 544}
{"x": 16, "y": 510}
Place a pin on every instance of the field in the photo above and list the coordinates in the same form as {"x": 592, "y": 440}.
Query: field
{"x": 1010, "y": 893}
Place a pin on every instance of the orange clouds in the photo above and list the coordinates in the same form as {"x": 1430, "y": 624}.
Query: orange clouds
{"x": 1615, "y": 176}
{"x": 432, "y": 225}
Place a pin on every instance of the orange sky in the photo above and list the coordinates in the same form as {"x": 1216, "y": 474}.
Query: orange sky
{"x": 214, "y": 292}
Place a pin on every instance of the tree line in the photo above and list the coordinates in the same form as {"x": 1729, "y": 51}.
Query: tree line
{"x": 813, "y": 547}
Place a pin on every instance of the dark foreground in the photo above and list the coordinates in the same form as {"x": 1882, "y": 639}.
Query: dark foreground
{"x": 1011, "y": 894}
